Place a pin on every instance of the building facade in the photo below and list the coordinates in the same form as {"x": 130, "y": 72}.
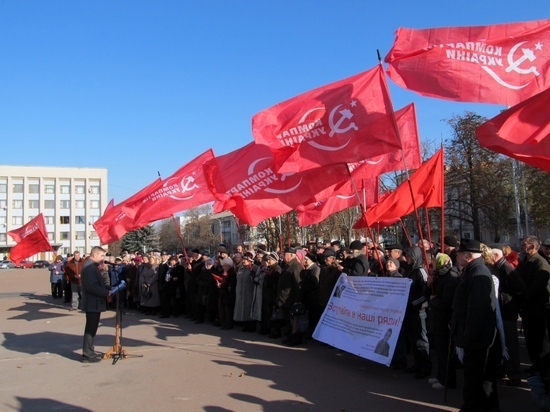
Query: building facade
{"x": 71, "y": 200}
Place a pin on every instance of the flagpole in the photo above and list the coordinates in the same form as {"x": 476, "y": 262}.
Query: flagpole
{"x": 442, "y": 235}
{"x": 364, "y": 213}
{"x": 404, "y": 164}
{"x": 405, "y": 231}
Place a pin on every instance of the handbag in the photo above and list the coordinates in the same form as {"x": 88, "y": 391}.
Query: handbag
{"x": 277, "y": 314}
{"x": 299, "y": 318}
{"x": 146, "y": 291}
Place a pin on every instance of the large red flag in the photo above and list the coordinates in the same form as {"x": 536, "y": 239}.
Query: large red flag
{"x": 315, "y": 211}
{"x": 184, "y": 190}
{"x": 245, "y": 182}
{"x": 342, "y": 122}
{"x": 37, "y": 223}
{"x": 521, "y": 132}
{"x": 502, "y": 64}
{"x": 427, "y": 188}
{"x": 115, "y": 223}
{"x": 33, "y": 238}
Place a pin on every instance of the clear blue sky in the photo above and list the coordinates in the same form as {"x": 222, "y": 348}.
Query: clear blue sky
{"x": 144, "y": 86}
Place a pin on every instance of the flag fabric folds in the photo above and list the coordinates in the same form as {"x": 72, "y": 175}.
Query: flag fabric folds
{"x": 427, "y": 188}
{"x": 342, "y": 122}
{"x": 501, "y": 64}
{"x": 31, "y": 239}
{"x": 389, "y": 162}
{"x": 183, "y": 190}
{"x": 245, "y": 182}
{"x": 392, "y": 161}
{"x": 115, "y": 223}
{"x": 521, "y": 132}
{"x": 315, "y": 211}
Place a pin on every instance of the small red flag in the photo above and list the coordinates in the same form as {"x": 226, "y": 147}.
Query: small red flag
{"x": 521, "y": 132}
{"x": 37, "y": 223}
{"x": 183, "y": 190}
{"x": 343, "y": 122}
{"x": 427, "y": 188}
{"x": 502, "y": 64}
{"x": 245, "y": 182}
{"x": 31, "y": 239}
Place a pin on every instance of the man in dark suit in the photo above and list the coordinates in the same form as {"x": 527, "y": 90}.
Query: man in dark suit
{"x": 94, "y": 301}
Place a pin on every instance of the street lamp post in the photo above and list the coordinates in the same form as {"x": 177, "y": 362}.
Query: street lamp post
{"x": 220, "y": 224}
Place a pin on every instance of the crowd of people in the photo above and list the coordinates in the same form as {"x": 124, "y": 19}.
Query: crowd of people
{"x": 464, "y": 303}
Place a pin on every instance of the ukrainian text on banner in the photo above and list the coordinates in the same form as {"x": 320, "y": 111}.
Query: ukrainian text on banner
{"x": 364, "y": 316}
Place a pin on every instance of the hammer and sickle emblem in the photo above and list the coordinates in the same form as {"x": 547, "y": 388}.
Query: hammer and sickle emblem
{"x": 188, "y": 184}
{"x": 513, "y": 65}
{"x": 346, "y": 114}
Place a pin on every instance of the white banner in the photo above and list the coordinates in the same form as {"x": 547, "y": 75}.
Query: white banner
{"x": 364, "y": 316}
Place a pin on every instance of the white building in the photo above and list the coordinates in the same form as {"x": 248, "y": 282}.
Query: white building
{"x": 70, "y": 198}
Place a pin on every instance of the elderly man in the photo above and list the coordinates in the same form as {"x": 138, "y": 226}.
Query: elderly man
{"x": 534, "y": 270}
{"x": 94, "y": 301}
{"x": 474, "y": 328}
{"x": 358, "y": 264}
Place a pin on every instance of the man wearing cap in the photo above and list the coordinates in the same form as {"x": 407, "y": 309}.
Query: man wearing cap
{"x": 474, "y": 328}
{"x": 288, "y": 286}
{"x": 396, "y": 252}
{"x": 73, "y": 271}
{"x": 358, "y": 265}
{"x": 328, "y": 277}
{"x": 450, "y": 245}
{"x": 535, "y": 272}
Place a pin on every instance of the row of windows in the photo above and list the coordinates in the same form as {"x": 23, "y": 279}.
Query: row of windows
{"x": 50, "y": 204}
{"x": 79, "y": 235}
{"x": 48, "y": 188}
{"x": 50, "y": 220}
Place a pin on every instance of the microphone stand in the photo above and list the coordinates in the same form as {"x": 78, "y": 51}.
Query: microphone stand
{"x": 117, "y": 352}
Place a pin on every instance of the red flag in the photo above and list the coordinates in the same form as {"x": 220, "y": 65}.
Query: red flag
{"x": 502, "y": 64}
{"x": 521, "y": 132}
{"x": 33, "y": 238}
{"x": 392, "y": 161}
{"x": 115, "y": 223}
{"x": 184, "y": 190}
{"x": 342, "y": 122}
{"x": 315, "y": 211}
{"x": 244, "y": 181}
{"x": 427, "y": 187}
{"x": 37, "y": 223}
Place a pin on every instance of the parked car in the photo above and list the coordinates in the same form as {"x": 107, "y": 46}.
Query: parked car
{"x": 7, "y": 264}
{"x": 25, "y": 264}
{"x": 41, "y": 264}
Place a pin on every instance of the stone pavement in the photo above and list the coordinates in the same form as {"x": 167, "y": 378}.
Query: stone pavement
{"x": 176, "y": 365}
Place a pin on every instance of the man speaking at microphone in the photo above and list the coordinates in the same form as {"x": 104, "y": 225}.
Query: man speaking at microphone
{"x": 94, "y": 301}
